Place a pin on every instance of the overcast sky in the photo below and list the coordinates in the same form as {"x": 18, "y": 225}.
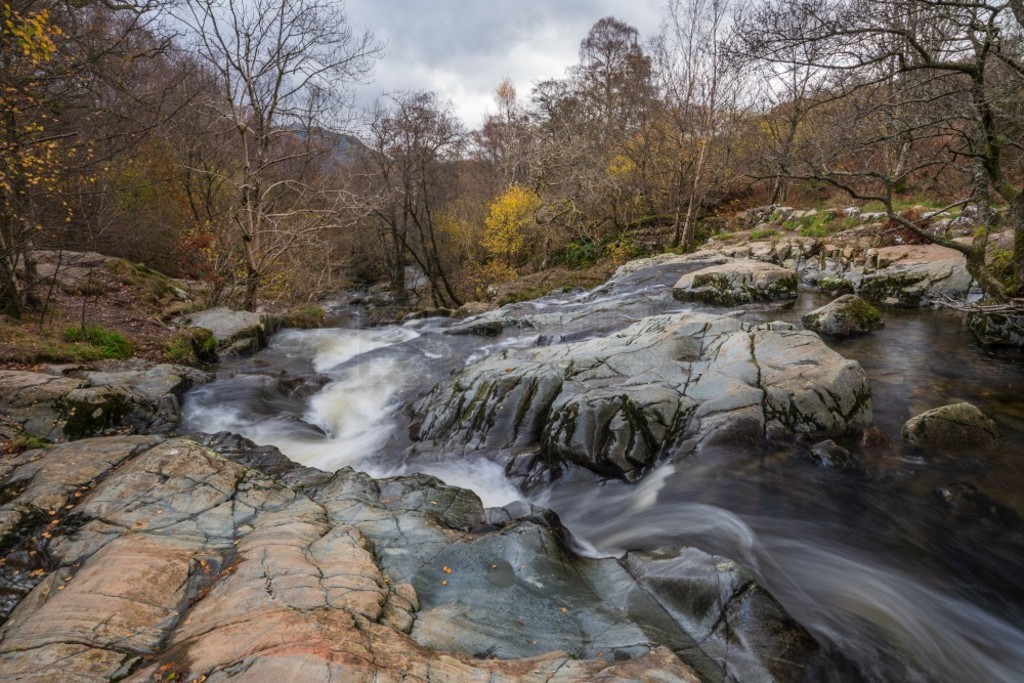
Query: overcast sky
{"x": 461, "y": 49}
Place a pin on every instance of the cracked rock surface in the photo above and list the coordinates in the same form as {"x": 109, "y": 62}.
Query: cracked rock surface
{"x": 737, "y": 282}
{"x": 79, "y": 401}
{"x": 147, "y": 558}
{"x": 668, "y": 385}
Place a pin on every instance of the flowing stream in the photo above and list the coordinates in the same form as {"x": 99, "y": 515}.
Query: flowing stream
{"x": 912, "y": 568}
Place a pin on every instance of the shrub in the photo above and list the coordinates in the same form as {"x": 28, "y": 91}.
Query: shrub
{"x": 582, "y": 252}
{"x": 108, "y": 343}
{"x": 505, "y": 227}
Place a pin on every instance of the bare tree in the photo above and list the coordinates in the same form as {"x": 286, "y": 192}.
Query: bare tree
{"x": 923, "y": 84}
{"x": 700, "y": 90}
{"x": 286, "y": 69}
{"x": 503, "y": 139}
{"x": 416, "y": 144}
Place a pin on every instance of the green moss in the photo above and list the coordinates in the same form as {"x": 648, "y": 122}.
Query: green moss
{"x": 304, "y": 317}
{"x": 192, "y": 346}
{"x": 835, "y": 285}
{"x": 107, "y": 343}
{"x": 83, "y": 419}
{"x": 1003, "y": 267}
{"x": 864, "y": 315}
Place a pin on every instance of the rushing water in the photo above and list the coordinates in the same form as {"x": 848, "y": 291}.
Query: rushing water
{"x": 911, "y": 568}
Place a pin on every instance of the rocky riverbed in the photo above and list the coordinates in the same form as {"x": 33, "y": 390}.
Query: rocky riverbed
{"x": 721, "y": 449}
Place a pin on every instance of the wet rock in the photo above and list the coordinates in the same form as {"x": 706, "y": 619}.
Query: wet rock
{"x": 471, "y": 308}
{"x": 957, "y": 426}
{"x": 479, "y": 327}
{"x": 847, "y": 315}
{"x": 994, "y": 327}
{"x": 30, "y": 398}
{"x": 743, "y": 631}
{"x": 133, "y": 395}
{"x": 737, "y": 282}
{"x": 667, "y": 384}
{"x": 237, "y": 332}
{"x": 966, "y": 503}
{"x": 709, "y": 256}
{"x": 829, "y": 454}
{"x": 165, "y": 560}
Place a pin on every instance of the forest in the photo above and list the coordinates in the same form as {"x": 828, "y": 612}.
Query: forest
{"x": 218, "y": 140}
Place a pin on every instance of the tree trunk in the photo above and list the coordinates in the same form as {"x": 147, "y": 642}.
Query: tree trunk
{"x": 1017, "y": 224}
{"x": 10, "y": 294}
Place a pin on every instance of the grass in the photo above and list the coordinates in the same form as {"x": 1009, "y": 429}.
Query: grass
{"x": 107, "y": 343}
{"x": 763, "y": 233}
{"x": 821, "y": 224}
{"x": 21, "y": 443}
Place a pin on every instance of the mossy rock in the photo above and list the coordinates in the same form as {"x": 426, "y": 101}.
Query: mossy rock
{"x": 960, "y": 426}
{"x": 835, "y": 285}
{"x": 92, "y": 411}
{"x": 150, "y": 286}
{"x": 307, "y": 317}
{"x": 737, "y": 282}
{"x": 847, "y": 315}
{"x": 192, "y": 346}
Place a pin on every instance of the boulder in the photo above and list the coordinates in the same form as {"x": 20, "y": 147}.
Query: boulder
{"x": 669, "y": 384}
{"x": 915, "y": 274}
{"x": 847, "y": 315}
{"x": 954, "y": 427}
{"x": 237, "y": 332}
{"x": 75, "y": 272}
{"x": 833, "y": 456}
{"x": 74, "y": 402}
{"x": 737, "y": 282}
{"x": 143, "y": 558}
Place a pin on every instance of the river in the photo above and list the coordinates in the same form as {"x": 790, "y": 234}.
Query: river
{"x": 910, "y": 567}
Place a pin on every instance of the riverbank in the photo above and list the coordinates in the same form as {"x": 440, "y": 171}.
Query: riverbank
{"x": 723, "y": 447}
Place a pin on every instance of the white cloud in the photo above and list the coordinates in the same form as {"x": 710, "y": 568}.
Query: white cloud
{"x": 462, "y": 49}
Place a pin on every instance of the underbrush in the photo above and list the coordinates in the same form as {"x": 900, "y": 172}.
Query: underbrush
{"x": 585, "y": 252}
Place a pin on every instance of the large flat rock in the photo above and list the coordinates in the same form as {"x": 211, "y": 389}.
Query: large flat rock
{"x": 666, "y": 386}
{"x": 144, "y": 558}
{"x": 73, "y": 402}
